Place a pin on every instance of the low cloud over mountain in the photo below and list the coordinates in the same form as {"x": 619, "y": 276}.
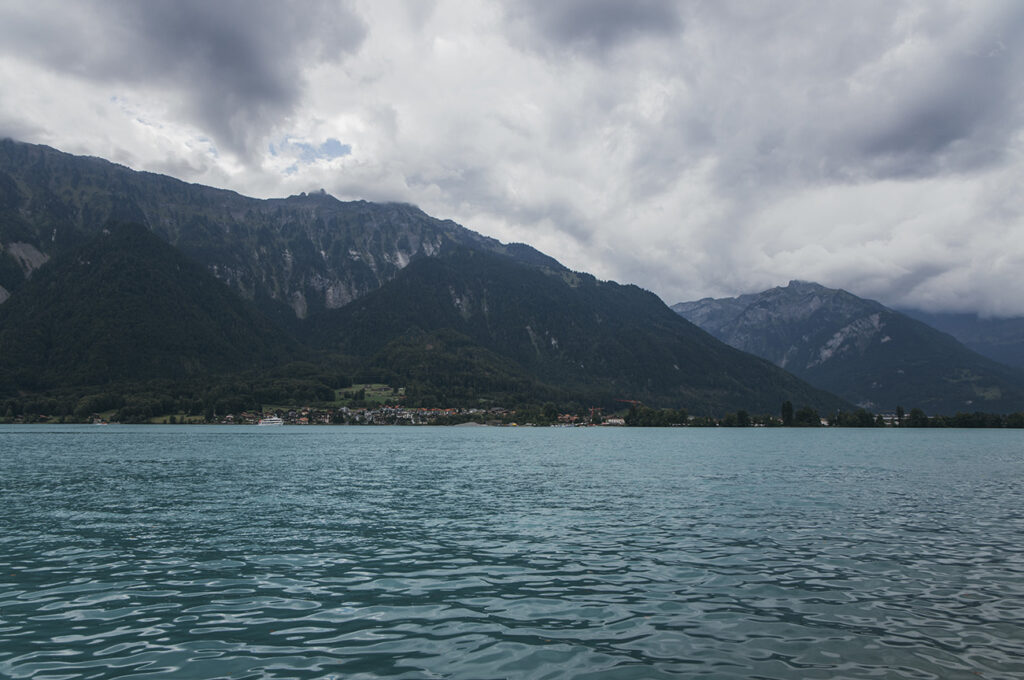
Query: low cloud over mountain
{"x": 699, "y": 149}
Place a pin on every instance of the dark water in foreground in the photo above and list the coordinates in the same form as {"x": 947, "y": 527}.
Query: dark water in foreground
{"x": 229, "y": 552}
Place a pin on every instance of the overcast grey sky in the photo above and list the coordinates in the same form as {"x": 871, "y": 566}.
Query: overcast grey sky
{"x": 693, "y": 148}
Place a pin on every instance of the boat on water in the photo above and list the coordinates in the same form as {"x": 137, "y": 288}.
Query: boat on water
{"x": 271, "y": 420}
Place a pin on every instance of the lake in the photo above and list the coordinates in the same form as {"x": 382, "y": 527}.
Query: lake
{"x": 372, "y": 552}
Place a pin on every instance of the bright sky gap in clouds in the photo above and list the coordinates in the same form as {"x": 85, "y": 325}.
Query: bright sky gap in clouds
{"x": 693, "y": 148}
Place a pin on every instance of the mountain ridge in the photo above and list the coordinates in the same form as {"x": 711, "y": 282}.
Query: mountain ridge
{"x": 999, "y": 339}
{"x": 301, "y": 253}
{"x": 859, "y": 349}
{"x": 310, "y": 260}
{"x": 567, "y": 329}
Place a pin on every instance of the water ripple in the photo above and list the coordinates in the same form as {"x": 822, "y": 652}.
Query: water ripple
{"x": 418, "y": 553}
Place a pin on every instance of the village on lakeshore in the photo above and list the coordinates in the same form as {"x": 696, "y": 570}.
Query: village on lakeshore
{"x": 548, "y": 415}
{"x": 594, "y": 417}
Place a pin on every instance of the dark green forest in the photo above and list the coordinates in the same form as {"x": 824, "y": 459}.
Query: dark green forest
{"x": 127, "y": 322}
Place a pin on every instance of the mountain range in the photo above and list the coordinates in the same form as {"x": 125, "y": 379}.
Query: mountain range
{"x": 859, "y": 349}
{"x": 561, "y": 328}
{"x": 294, "y": 256}
{"x": 111, "y": 277}
{"x": 999, "y": 339}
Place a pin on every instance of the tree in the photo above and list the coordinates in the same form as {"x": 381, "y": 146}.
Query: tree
{"x": 787, "y": 413}
{"x": 807, "y": 417}
{"x": 899, "y": 416}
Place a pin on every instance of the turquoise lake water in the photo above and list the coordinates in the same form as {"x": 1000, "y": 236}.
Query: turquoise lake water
{"x": 347, "y": 552}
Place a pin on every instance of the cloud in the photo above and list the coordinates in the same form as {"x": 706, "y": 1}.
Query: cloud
{"x": 943, "y": 100}
{"x": 233, "y": 68}
{"x": 17, "y": 128}
{"x": 692, "y": 148}
{"x": 591, "y": 26}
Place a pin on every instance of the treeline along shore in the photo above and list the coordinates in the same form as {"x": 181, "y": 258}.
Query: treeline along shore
{"x": 375, "y": 404}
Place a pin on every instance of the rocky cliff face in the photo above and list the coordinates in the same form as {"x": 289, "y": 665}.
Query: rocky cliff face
{"x": 307, "y": 252}
{"x": 797, "y": 327}
{"x": 859, "y": 349}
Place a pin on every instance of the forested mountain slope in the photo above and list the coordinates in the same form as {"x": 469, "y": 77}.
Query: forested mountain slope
{"x": 564, "y": 329}
{"x": 127, "y": 306}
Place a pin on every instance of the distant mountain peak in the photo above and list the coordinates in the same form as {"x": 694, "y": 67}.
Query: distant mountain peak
{"x": 800, "y": 287}
{"x": 858, "y": 349}
{"x": 1000, "y": 339}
